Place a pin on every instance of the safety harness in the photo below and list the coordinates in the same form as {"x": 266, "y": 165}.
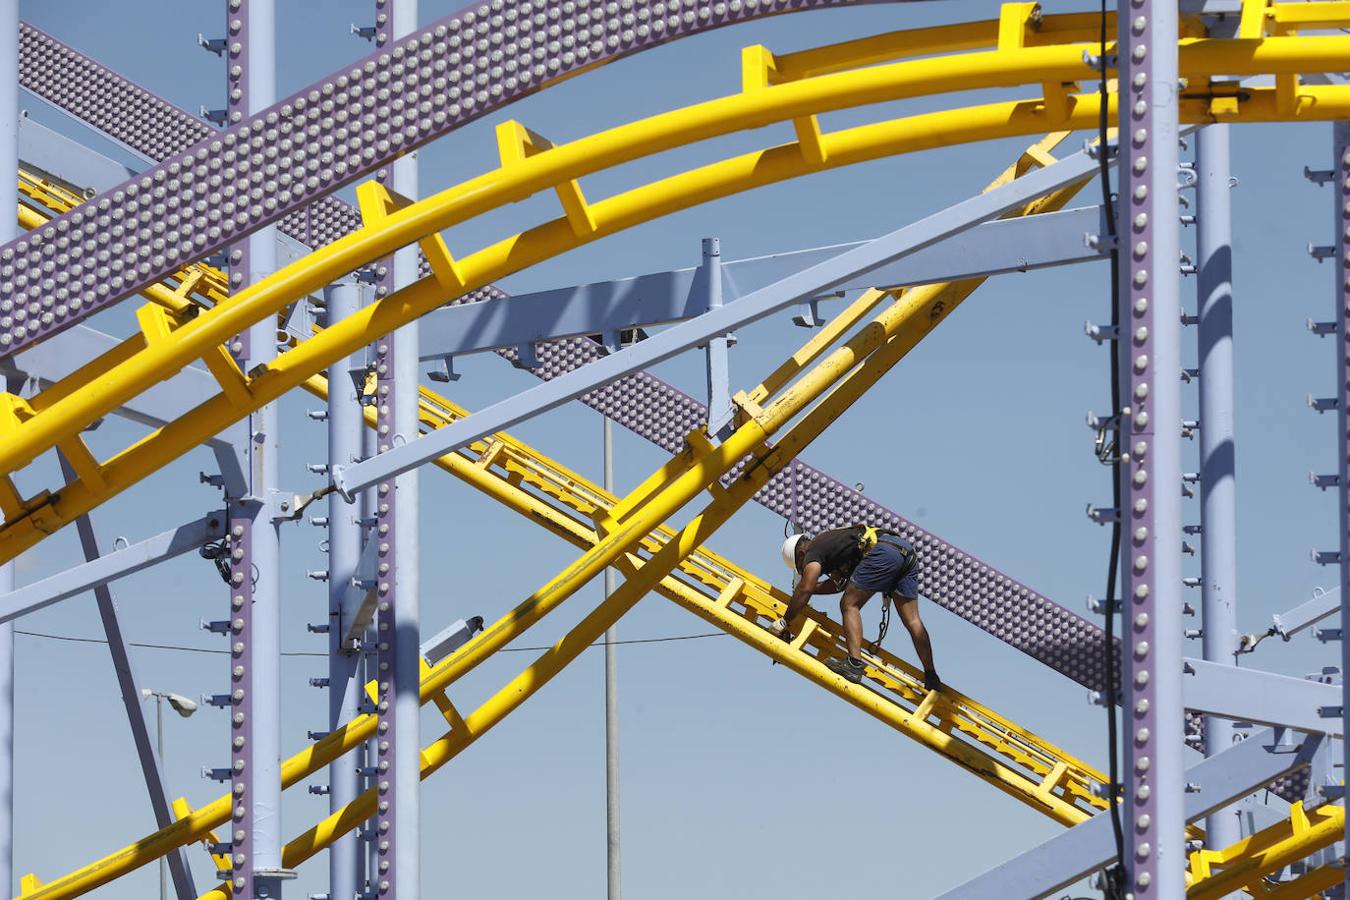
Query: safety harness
{"x": 871, "y": 536}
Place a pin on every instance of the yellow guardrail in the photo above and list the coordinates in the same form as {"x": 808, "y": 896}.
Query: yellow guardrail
{"x": 1243, "y": 866}
{"x": 980, "y": 740}
{"x": 530, "y": 165}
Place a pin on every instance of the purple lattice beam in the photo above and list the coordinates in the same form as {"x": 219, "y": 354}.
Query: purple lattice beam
{"x": 954, "y": 579}
{"x": 343, "y": 127}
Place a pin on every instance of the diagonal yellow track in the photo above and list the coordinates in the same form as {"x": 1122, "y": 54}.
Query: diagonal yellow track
{"x": 975, "y": 737}
{"x": 1043, "y": 57}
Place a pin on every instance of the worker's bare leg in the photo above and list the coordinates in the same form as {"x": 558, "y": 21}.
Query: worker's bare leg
{"x": 850, "y": 608}
{"x": 908, "y": 607}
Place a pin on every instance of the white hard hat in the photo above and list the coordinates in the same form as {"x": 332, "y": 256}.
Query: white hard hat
{"x": 790, "y": 550}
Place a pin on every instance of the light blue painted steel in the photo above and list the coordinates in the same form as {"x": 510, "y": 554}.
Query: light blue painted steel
{"x": 1306, "y": 614}
{"x": 117, "y": 564}
{"x": 1340, "y": 165}
{"x": 662, "y": 298}
{"x": 717, "y": 351}
{"x": 807, "y": 283}
{"x": 151, "y": 767}
{"x": 155, "y": 407}
{"x": 1218, "y": 473}
{"x": 9, "y": 230}
{"x": 346, "y": 426}
{"x": 1067, "y": 857}
{"x": 76, "y": 166}
{"x": 1250, "y": 695}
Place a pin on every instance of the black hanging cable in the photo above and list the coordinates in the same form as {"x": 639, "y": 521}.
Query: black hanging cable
{"x": 1115, "y": 876}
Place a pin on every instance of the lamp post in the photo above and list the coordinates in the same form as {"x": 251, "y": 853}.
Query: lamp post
{"x": 184, "y": 707}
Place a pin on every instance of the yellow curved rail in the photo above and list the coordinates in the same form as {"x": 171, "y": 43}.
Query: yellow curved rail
{"x": 56, "y": 417}
{"x": 1015, "y": 760}
{"x": 1241, "y": 867}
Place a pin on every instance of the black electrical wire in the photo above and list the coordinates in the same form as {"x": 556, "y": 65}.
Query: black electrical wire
{"x": 1115, "y": 876}
{"x": 186, "y": 649}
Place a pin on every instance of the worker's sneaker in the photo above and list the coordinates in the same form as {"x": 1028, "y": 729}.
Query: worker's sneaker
{"x": 852, "y": 671}
{"x": 778, "y": 627}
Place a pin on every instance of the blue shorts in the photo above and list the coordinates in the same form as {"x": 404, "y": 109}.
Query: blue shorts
{"x": 883, "y": 569}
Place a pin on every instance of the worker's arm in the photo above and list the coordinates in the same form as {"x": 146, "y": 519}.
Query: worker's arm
{"x": 801, "y": 595}
{"x": 908, "y": 607}
{"x": 827, "y": 586}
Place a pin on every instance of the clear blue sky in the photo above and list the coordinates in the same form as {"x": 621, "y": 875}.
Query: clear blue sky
{"x": 739, "y": 779}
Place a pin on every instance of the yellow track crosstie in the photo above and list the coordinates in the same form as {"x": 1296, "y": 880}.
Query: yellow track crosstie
{"x": 1019, "y": 762}
{"x": 975, "y": 737}
{"x": 56, "y": 417}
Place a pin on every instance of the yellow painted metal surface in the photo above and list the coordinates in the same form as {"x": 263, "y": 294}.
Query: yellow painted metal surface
{"x": 1241, "y": 867}
{"x": 191, "y": 319}
{"x": 532, "y": 167}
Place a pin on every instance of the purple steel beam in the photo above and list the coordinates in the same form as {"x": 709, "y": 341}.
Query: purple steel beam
{"x": 959, "y": 582}
{"x": 1153, "y": 734}
{"x": 272, "y": 163}
{"x": 242, "y": 523}
{"x": 384, "y": 878}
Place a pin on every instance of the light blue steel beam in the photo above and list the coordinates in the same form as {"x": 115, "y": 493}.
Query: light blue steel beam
{"x": 1305, "y": 615}
{"x": 718, "y": 351}
{"x": 346, "y": 425}
{"x": 810, "y": 282}
{"x": 1218, "y": 470}
{"x": 661, "y": 298}
{"x": 1250, "y": 695}
{"x": 67, "y": 161}
{"x": 151, "y": 764}
{"x": 1083, "y": 849}
{"x": 155, "y": 407}
{"x": 111, "y": 566}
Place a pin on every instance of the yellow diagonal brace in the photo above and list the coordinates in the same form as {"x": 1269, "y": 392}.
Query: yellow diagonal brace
{"x": 182, "y": 810}
{"x": 1252, "y": 24}
{"x": 81, "y": 459}
{"x": 1016, "y": 21}
{"x": 223, "y": 367}
{"x": 515, "y": 143}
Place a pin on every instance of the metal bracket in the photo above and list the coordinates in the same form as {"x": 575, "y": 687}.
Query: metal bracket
{"x": 211, "y": 45}
{"x": 1326, "y": 557}
{"x": 1319, "y": 177}
{"x": 1100, "y": 333}
{"x": 1320, "y": 252}
{"x": 1322, "y": 329}
{"x": 1324, "y": 481}
{"x": 214, "y": 116}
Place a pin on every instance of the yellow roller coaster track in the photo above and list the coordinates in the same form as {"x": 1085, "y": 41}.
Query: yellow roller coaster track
{"x": 1046, "y": 52}
{"x": 1017, "y": 761}
{"x": 978, "y": 739}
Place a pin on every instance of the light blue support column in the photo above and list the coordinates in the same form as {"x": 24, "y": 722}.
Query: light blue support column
{"x": 345, "y": 432}
{"x": 1152, "y": 713}
{"x": 1340, "y": 165}
{"x": 251, "y": 41}
{"x": 1218, "y": 485}
{"x": 9, "y": 229}
{"x": 719, "y": 369}
{"x": 407, "y": 598}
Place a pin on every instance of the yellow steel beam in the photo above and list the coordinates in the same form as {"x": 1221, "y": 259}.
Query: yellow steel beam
{"x": 1219, "y": 873}
{"x": 837, "y": 382}
{"x": 1012, "y": 757}
{"x": 559, "y": 165}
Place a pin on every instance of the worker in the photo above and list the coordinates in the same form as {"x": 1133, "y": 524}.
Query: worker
{"x": 860, "y": 561}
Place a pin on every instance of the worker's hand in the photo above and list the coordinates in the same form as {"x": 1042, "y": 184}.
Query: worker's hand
{"x": 931, "y": 681}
